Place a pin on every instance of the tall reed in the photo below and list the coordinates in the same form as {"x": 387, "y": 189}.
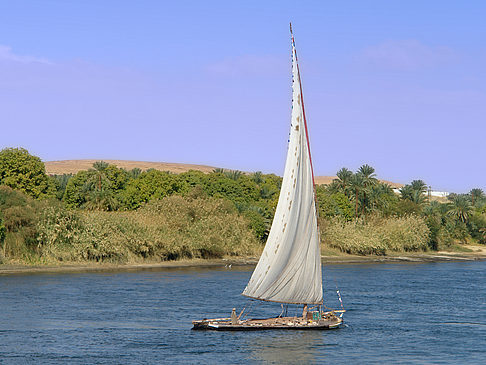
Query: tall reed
{"x": 376, "y": 235}
{"x": 168, "y": 229}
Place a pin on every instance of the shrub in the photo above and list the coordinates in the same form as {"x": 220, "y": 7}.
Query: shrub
{"x": 2, "y": 240}
{"x": 58, "y": 232}
{"x": 168, "y": 229}
{"x": 376, "y": 235}
{"x": 477, "y": 226}
{"x": 198, "y": 228}
{"x": 19, "y": 213}
{"x": 22, "y": 171}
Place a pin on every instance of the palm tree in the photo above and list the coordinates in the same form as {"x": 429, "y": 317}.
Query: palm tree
{"x": 419, "y": 185}
{"x": 378, "y": 196}
{"x": 432, "y": 209}
{"x": 98, "y": 174}
{"x": 460, "y": 208}
{"x": 406, "y": 192}
{"x": 233, "y": 174}
{"x": 266, "y": 192}
{"x": 367, "y": 171}
{"x": 476, "y": 194}
{"x": 418, "y": 197}
{"x": 334, "y": 187}
{"x": 257, "y": 177}
{"x": 343, "y": 180}
{"x": 98, "y": 188}
{"x": 385, "y": 189}
{"x": 483, "y": 235}
{"x": 414, "y": 191}
{"x": 134, "y": 173}
{"x": 100, "y": 165}
{"x": 101, "y": 200}
{"x": 369, "y": 180}
{"x": 356, "y": 185}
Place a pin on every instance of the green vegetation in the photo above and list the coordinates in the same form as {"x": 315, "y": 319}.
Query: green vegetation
{"x": 383, "y": 221}
{"x": 22, "y": 171}
{"x": 167, "y": 229}
{"x": 108, "y": 214}
{"x": 3, "y": 231}
{"x": 377, "y": 236}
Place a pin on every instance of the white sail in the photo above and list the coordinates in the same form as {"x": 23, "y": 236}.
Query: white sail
{"x": 289, "y": 269}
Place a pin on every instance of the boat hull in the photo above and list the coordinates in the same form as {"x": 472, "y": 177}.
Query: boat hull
{"x": 279, "y": 323}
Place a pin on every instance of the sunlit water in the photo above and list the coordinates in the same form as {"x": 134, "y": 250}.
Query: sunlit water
{"x": 397, "y": 313}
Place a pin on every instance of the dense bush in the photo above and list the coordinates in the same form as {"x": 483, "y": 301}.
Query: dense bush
{"x": 3, "y": 232}
{"x": 59, "y": 232}
{"x": 167, "y": 229}
{"x": 19, "y": 213}
{"x": 22, "y": 171}
{"x": 376, "y": 236}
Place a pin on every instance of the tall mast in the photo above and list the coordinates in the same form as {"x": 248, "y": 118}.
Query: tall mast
{"x": 304, "y": 311}
{"x": 289, "y": 269}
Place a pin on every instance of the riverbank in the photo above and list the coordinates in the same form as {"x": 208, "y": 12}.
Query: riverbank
{"x": 476, "y": 253}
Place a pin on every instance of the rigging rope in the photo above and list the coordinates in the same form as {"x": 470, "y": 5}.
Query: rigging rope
{"x": 250, "y": 308}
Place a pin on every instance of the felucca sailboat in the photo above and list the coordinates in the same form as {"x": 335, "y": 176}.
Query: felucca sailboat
{"x": 289, "y": 269}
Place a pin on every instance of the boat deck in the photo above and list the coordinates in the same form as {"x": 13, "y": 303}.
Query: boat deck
{"x": 329, "y": 321}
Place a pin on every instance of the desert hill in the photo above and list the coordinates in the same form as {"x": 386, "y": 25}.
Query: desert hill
{"x": 73, "y": 166}
{"x": 328, "y": 179}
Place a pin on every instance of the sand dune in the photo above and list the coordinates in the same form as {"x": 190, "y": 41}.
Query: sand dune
{"x": 328, "y": 179}
{"x": 73, "y": 166}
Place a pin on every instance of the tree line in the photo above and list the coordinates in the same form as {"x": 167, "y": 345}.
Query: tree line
{"x": 357, "y": 199}
{"x": 457, "y": 218}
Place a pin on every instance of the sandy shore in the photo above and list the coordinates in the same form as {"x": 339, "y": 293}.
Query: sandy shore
{"x": 478, "y": 253}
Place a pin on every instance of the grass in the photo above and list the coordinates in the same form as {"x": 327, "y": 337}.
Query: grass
{"x": 376, "y": 236}
{"x": 459, "y": 248}
{"x": 173, "y": 228}
{"x": 326, "y": 250}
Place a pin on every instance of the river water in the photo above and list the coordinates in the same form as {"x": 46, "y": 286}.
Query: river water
{"x": 397, "y": 313}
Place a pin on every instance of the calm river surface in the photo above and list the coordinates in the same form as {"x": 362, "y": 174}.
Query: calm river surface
{"x": 397, "y": 313}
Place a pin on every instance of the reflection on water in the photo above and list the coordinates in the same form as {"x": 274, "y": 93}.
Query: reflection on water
{"x": 397, "y": 313}
{"x": 278, "y": 347}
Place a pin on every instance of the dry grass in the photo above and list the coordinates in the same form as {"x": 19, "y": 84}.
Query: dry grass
{"x": 170, "y": 229}
{"x": 376, "y": 236}
{"x": 439, "y": 199}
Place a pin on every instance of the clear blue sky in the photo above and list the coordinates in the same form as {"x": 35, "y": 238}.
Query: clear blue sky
{"x": 400, "y": 85}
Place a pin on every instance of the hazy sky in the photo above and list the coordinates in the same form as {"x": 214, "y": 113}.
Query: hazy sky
{"x": 400, "y": 85}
